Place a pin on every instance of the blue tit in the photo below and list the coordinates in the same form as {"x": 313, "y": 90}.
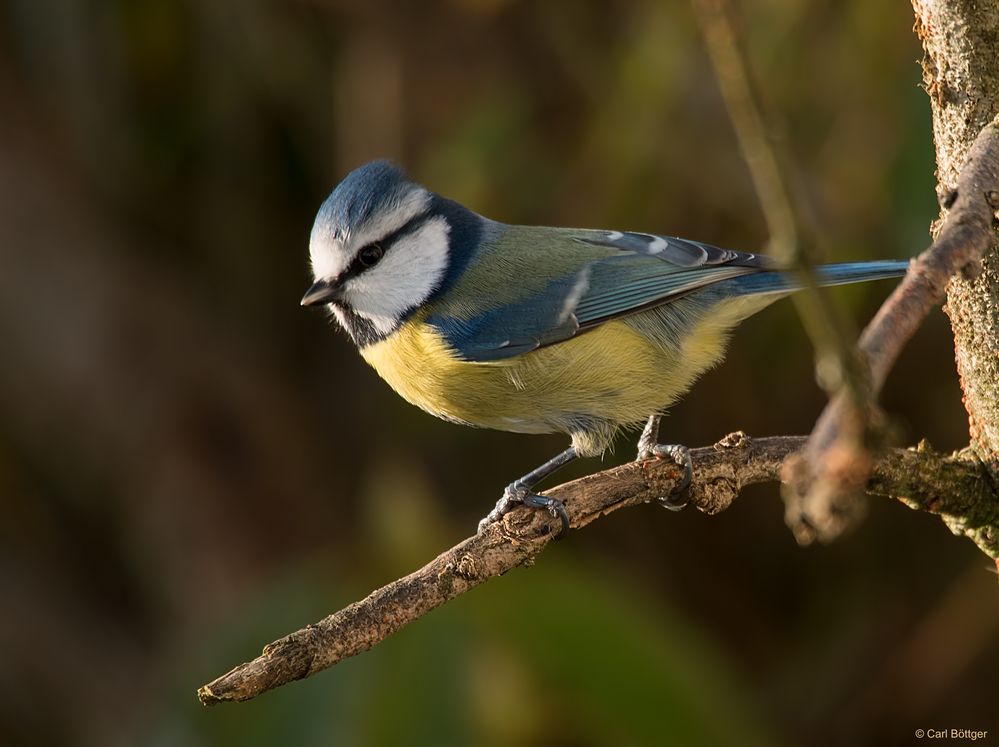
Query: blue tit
{"x": 530, "y": 329}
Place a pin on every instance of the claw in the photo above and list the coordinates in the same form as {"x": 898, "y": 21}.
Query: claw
{"x": 521, "y": 491}
{"x": 679, "y": 498}
{"x": 514, "y": 495}
{"x": 555, "y": 507}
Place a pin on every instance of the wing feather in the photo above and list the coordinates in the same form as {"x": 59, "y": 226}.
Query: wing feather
{"x": 647, "y": 271}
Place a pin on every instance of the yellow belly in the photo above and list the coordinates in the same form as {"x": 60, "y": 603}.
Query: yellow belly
{"x": 612, "y": 375}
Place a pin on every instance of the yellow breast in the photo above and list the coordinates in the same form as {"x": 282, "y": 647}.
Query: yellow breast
{"x": 612, "y": 376}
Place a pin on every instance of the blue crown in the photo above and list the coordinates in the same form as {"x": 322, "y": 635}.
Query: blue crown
{"x": 365, "y": 191}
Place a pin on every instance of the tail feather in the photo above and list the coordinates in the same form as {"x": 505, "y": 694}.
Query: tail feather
{"x": 839, "y": 274}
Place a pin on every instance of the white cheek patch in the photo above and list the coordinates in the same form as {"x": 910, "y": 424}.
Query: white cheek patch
{"x": 411, "y": 270}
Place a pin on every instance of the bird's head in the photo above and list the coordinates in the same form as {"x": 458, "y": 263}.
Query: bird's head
{"x": 380, "y": 248}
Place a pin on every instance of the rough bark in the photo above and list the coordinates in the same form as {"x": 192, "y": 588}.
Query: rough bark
{"x": 961, "y": 76}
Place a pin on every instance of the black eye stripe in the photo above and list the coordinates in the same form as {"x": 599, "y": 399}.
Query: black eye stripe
{"x": 357, "y": 266}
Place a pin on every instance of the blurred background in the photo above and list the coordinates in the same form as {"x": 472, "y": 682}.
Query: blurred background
{"x": 191, "y": 465}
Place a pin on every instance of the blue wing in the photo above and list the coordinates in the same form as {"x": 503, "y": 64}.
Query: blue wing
{"x": 646, "y": 271}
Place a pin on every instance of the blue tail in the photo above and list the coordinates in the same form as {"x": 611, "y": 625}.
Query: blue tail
{"x": 841, "y": 274}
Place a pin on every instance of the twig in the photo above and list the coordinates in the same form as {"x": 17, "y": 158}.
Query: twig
{"x": 830, "y": 466}
{"x": 720, "y": 472}
{"x": 831, "y": 336}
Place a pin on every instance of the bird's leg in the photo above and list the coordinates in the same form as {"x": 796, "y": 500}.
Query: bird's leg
{"x": 522, "y": 491}
{"x": 649, "y": 447}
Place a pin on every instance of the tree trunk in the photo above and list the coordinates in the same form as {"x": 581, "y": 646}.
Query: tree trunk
{"x": 961, "y": 76}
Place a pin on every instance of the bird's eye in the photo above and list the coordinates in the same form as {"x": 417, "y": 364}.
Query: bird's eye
{"x": 370, "y": 254}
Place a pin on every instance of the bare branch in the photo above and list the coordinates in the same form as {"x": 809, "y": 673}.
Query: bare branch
{"x": 720, "y": 472}
{"x": 831, "y": 465}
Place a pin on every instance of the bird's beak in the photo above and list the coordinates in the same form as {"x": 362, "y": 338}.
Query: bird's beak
{"x": 322, "y": 291}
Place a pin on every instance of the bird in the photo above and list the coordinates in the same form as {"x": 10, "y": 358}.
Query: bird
{"x": 533, "y": 329}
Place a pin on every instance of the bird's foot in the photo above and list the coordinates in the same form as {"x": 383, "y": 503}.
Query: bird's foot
{"x": 516, "y": 494}
{"x": 678, "y": 499}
